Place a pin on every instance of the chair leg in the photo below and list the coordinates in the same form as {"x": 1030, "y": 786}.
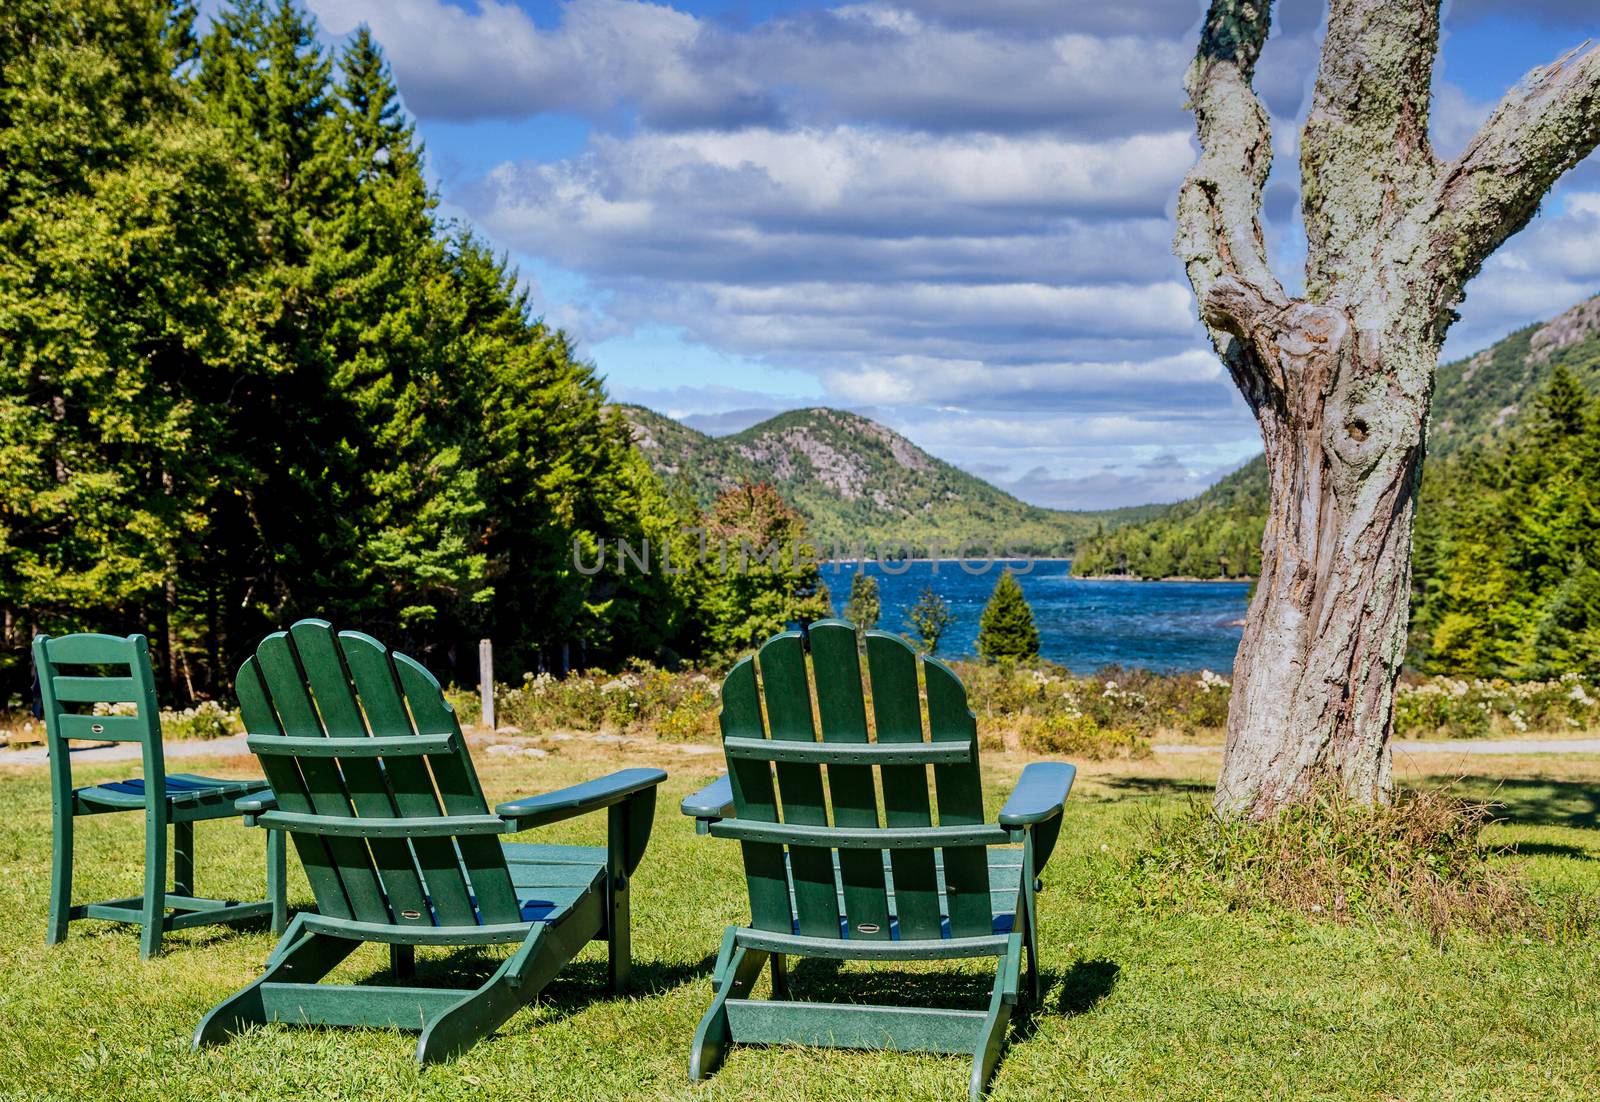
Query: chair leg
{"x": 304, "y": 958}
{"x": 183, "y": 859}
{"x": 403, "y": 961}
{"x": 780, "y": 976}
{"x": 992, "y": 1042}
{"x": 60, "y": 875}
{"x": 277, "y": 879}
{"x": 622, "y": 849}
{"x": 619, "y": 936}
{"x": 155, "y": 883}
{"x": 714, "y": 1036}
{"x": 544, "y": 952}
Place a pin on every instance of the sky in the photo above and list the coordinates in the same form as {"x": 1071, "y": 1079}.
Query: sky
{"x": 953, "y": 216}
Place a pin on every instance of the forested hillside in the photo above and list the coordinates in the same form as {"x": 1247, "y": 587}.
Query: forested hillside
{"x": 1478, "y": 402}
{"x": 247, "y": 374}
{"x": 861, "y": 484}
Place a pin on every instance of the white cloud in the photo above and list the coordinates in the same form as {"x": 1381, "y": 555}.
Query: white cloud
{"x": 604, "y": 58}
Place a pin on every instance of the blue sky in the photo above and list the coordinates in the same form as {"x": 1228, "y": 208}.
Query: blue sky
{"x": 951, "y": 215}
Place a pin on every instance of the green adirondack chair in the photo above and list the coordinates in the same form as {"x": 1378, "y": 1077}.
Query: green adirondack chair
{"x": 866, "y": 888}
{"x": 176, "y": 799}
{"x": 372, "y": 779}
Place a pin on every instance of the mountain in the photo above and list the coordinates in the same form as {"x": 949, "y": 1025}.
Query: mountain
{"x": 1477, "y": 402}
{"x": 857, "y": 482}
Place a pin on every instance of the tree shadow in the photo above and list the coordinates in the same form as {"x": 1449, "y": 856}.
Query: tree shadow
{"x": 1574, "y": 804}
{"x": 1157, "y": 786}
{"x": 1551, "y": 849}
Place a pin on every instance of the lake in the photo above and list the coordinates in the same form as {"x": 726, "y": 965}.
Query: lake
{"x": 1083, "y": 625}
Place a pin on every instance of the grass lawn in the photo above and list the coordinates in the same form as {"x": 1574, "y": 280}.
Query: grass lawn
{"x": 1143, "y": 1001}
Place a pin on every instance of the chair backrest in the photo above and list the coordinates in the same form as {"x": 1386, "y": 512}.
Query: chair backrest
{"x": 373, "y": 780}
{"x": 99, "y": 688}
{"x": 776, "y": 771}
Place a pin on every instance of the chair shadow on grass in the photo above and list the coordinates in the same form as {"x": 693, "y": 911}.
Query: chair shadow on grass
{"x": 578, "y": 985}
{"x": 1066, "y": 994}
{"x": 1076, "y": 991}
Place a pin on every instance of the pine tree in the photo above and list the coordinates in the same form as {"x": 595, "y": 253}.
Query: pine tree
{"x": 863, "y": 608}
{"x": 1006, "y": 631}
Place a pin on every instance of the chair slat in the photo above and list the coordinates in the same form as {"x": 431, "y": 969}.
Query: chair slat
{"x": 379, "y": 689}
{"x": 788, "y": 695}
{"x": 97, "y": 690}
{"x": 765, "y": 870}
{"x": 843, "y": 716}
{"x": 373, "y": 746}
{"x": 103, "y": 728}
{"x": 960, "y": 793}
{"x": 457, "y": 782}
{"x": 326, "y": 677}
{"x": 286, "y": 688}
{"x": 863, "y": 839}
{"x": 87, "y": 649}
{"x": 386, "y": 828}
{"x": 289, "y": 789}
{"x": 892, "y": 666}
{"x": 846, "y": 758}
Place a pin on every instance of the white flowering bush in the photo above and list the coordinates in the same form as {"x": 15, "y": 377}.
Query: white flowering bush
{"x": 206, "y": 720}
{"x": 1453, "y": 707}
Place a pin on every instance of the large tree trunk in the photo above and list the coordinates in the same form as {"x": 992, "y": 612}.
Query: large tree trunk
{"x": 1340, "y": 379}
{"x": 1315, "y": 674}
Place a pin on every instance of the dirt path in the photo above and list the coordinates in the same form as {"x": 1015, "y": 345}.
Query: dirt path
{"x": 1447, "y": 746}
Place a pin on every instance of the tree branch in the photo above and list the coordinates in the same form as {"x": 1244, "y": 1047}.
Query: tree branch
{"x": 1365, "y": 159}
{"x": 1542, "y": 127}
{"x": 1219, "y": 227}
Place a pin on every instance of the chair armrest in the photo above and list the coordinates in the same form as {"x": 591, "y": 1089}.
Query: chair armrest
{"x": 1039, "y": 795}
{"x": 713, "y": 802}
{"x": 255, "y": 804}
{"x": 580, "y": 799}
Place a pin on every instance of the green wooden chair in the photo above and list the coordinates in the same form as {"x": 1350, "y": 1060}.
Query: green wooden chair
{"x": 372, "y": 779}
{"x": 863, "y": 888}
{"x": 176, "y": 799}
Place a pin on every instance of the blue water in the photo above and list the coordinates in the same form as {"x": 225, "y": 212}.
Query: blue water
{"x": 1083, "y": 625}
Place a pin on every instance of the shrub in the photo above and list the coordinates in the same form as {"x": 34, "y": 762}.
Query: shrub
{"x": 1063, "y": 733}
{"x": 676, "y": 706}
{"x": 1420, "y": 859}
{"x": 206, "y": 720}
{"x": 864, "y": 607}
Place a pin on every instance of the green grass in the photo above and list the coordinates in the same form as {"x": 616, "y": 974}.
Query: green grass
{"x": 1142, "y": 1002}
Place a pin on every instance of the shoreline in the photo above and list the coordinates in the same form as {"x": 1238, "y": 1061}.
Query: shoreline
{"x": 1168, "y": 578}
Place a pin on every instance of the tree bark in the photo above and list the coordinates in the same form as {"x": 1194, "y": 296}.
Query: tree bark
{"x": 1340, "y": 380}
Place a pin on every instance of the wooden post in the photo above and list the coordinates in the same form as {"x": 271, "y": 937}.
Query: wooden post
{"x": 486, "y": 681}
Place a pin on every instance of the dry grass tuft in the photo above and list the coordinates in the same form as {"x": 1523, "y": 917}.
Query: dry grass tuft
{"x": 1420, "y": 859}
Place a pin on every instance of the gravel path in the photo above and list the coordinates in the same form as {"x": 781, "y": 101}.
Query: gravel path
{"x": 504, "y": 742}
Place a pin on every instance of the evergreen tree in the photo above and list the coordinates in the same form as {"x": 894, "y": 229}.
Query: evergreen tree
{"x": 863, "y": 608}
{"x": 1006, "y": 631}
{"x": 928, "y": 620}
